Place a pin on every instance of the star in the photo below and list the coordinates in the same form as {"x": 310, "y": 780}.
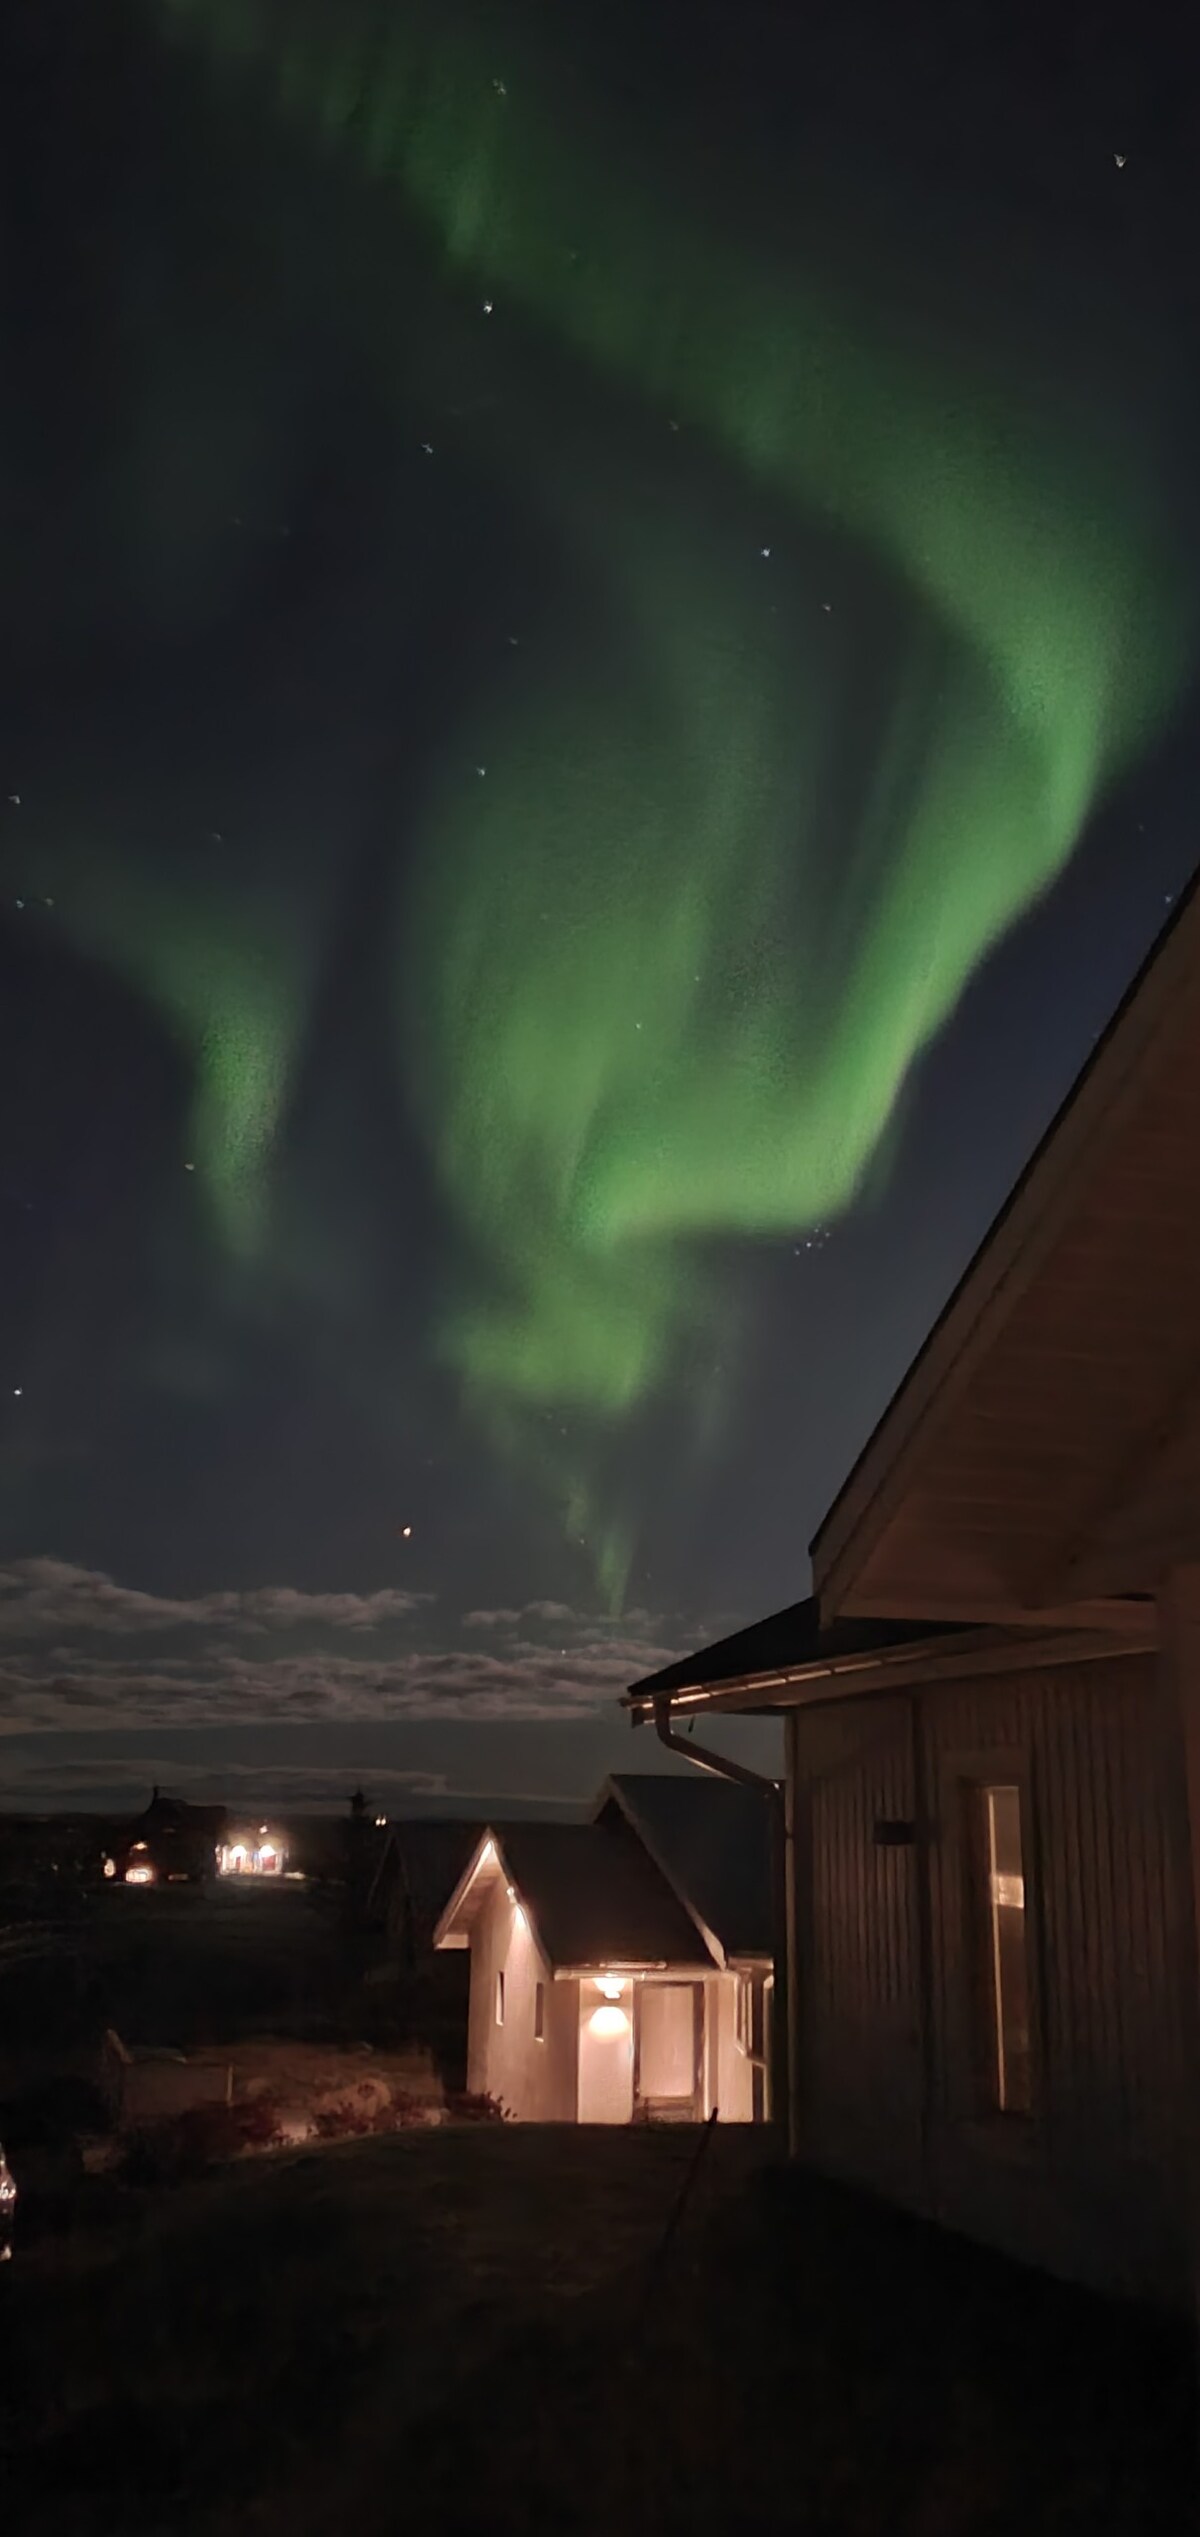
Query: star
{"x": 15, "y": 799}
{"x": 488, "y": 306}
{"x": 427, "y": 446}
{"x": 481, "y": 770}
{"x": 18, "y": 1390}
{"x": 501, "y": 90}
{"x": 764, "y": 551}
{"x": 406, "y": 1532}
{"x": 1119, "y": 157}
{"x": 189, "y": 1167}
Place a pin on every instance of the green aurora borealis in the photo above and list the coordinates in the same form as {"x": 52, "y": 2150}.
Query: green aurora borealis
{"x": 663, "y": 967}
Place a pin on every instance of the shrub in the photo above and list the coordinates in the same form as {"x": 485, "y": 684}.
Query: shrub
{"x": 202, "y": 2137}
{"x": 476, "y": 2106}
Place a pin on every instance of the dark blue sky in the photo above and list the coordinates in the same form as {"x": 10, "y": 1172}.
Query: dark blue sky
{"x": 215, "y": 557}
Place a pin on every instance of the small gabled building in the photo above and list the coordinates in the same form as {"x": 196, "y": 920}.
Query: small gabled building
{"x": 618, "y": 1967}
{"x": 992, "y": 1713}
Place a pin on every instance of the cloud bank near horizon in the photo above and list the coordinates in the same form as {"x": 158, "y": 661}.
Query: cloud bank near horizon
{"x": 80, "y": 1651}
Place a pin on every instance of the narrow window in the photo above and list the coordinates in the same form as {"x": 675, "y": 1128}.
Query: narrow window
{"x": 539, "y": 2012}
{"x": 1005, "y": 1965}
{"x": 500, "y": 1999}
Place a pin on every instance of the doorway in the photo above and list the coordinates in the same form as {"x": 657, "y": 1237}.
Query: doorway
{"x": 668, "y": 2052}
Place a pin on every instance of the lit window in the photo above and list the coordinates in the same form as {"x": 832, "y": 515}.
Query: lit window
{"x": 539, "y": 2012}
{"x": 1000, "y": 1887}
{"x": 500, "y": 1999}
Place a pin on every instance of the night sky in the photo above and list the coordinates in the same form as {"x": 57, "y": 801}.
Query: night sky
{"x": 597, "y": 706}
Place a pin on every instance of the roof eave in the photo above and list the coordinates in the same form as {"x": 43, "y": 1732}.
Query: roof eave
{"x": 975, "y": 1651}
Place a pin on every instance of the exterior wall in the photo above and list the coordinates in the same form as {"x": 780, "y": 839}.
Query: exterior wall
{"x": 535, "y": 2080}
{"x": 857, "y": 2051}
{"x": 730, "y": 2075}
{"x": 605, "y": 2060}
{"x": 1091, "y": 2183}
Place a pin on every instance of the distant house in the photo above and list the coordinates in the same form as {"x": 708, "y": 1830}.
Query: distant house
{"x": 620, "y": 1968}
{"x": 992, "y": 1713}
{"x": 252, "y": 1850}
{"x": 170, "y": 1843}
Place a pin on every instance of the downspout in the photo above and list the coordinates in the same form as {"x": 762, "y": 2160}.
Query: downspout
{"x": 782, "y": 1889}
{"x": 702, "y": 1754}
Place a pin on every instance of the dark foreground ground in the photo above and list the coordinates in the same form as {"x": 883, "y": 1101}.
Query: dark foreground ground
{"x": 478, "y": 2328}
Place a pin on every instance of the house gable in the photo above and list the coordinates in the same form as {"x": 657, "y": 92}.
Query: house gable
{"x": 1041, "y": 1460}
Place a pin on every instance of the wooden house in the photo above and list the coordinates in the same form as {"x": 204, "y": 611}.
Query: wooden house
{"x": 620, "y": 1968}
{"x": 992, "y": 1712}
{"x": 170, "y": 1843}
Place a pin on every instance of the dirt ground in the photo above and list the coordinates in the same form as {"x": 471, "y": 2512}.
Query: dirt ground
{"x": 480, "y": 2327}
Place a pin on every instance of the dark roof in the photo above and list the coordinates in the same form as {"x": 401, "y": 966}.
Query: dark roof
{"x": 713, "y": 1840}
{"x": 783, "y": 1641}
{"x": 595, "y": 1897}
{"x": 177, "y": 1814}
{"x": 1092, "y": 1065}
{"x": 433, "y": 1852}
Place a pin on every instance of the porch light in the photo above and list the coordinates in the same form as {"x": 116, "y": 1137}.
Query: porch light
{"x": 607, "y": 2023}
{"x": 609, "y": 1987}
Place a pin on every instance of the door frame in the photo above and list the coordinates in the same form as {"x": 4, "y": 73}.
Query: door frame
{"x": 671, "y": 2109}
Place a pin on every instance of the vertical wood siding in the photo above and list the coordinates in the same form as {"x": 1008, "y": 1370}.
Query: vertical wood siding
{"x": 1092, "y": 2184}
{"x": 860, "y": 2041}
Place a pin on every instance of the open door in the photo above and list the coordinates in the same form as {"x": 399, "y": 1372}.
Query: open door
{"x": 668, "y": 2052}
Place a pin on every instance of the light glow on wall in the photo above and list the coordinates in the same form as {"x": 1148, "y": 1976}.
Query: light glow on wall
{"x": 608, "y": 2022}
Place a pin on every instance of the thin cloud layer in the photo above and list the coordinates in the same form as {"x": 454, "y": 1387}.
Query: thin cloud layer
{"x": 40, "y": 1594}
{"x": 80, "y": 1650}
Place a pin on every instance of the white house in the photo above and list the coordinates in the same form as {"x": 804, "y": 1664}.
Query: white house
{"x": 621, "y": 1969}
